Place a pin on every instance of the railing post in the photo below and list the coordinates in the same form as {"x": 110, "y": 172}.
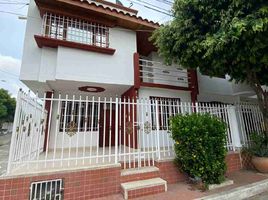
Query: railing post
{"x": 233, "y": 121}
{"x": 157, "y": 128}
{"x": 14, "y": 130}
{"x": 116, "y": 130}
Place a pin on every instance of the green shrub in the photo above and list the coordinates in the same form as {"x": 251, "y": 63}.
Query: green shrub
{"x": 200, "y": 141}
{"x": 258, "y": 145}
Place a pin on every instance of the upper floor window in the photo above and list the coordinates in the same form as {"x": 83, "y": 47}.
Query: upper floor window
{"x": 75, "y": 30}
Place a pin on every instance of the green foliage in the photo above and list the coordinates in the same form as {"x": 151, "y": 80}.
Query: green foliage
{"x": 218, "y": 37}
{"x": 258, "y": 145}
{"x": 200, "y": 141}
{"x": 7, "y": 107}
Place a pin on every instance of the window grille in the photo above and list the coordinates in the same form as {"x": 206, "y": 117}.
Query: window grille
{"x": 75, "y": 30}
{"x": 47, "y": 190}
{"x": 81, "y": 114}
{"x": 167, "y": 107}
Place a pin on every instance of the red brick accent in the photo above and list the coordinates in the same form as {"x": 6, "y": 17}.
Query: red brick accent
{"x": 138, "y": 177}
{"x": 78, "y": 185}
{"x": 246, "y": 161}
{"x": 233, "y": 162}
{"x": 170, "y": 172}
{"x": 145, "y": 191}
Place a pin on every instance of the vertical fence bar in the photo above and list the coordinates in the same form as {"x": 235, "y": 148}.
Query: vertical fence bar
{"x": 157, "y": 129}
{"x": 116, "y": 130}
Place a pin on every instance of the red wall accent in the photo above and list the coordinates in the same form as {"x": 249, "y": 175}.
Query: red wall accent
{"x": 193, "y": 84}
{"x": 137, "y": 79}
{"x": 88, "y": 184}
{"x": 47, "y": 107}
{"x": 54, "y": 43}
{"x": 78, "y": 185}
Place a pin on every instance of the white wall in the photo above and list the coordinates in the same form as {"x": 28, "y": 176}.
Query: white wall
{"x": 220, "y": 89}
{"x": 59, "y": 139}
{"x": 145, "y": 93}
{"x": 47, "y": 64}
{"x": 149, "y": 140}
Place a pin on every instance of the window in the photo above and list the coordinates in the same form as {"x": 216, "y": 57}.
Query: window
{"x": 167, "y": 107}
{"x": 75, "y": 30}
{"x": 79, "y": 116}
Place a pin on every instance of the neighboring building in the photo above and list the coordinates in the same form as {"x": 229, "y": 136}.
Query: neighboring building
{"x": 108, "y": 98}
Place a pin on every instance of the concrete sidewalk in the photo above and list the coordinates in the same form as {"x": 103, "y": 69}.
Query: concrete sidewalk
{"x": 4, "y": 151}
{"x": 183, "y": 191}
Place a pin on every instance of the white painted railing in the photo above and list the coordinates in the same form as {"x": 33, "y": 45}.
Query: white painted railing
{"x": 158, "y": 73}
{"x": 76, "y": 131}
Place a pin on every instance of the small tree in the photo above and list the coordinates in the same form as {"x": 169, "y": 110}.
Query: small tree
{"x": 200, "y": 141}
{"x": 7, "y": 107}
{"x": 220, "y": 37}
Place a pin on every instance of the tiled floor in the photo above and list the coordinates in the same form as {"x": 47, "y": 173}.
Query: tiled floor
{"x": 183, "y": 191}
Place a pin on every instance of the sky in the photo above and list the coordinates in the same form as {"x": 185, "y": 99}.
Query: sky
{"x": 13, "y": 29}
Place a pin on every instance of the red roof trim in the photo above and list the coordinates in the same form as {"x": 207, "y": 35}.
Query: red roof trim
{"x": 117, "y": 6}
{"x": 102, "y": 10}
{"x": 54, "y": 43}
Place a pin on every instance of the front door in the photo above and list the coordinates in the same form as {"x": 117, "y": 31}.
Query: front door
{"x": 107, "y": 126}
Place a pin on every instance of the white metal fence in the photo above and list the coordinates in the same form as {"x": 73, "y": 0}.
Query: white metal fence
{"x": 72, "y": 131}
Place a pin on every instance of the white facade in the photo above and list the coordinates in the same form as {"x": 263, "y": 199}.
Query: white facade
{"x": 221, "y": 90}
{"x": 49, "y": 64}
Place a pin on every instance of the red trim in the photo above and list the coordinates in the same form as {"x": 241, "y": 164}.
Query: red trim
{"x": 47, "y": 108}
{"x": 126, "y": 20}
{"x": 137, "y": 80}
{"x": 117, "y": 6}
{"x": 165, "y": 86}
{"x": 68, "y": 13}
{"x": 193, "y": 84}
{"x": 54, "y": 43}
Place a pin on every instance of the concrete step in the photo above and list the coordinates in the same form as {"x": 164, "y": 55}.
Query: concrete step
{"x": 142, "y": 173}
{"x": 140, "y": 188}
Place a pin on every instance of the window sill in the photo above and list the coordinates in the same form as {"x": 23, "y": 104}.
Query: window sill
{"x": 43, "y": 41}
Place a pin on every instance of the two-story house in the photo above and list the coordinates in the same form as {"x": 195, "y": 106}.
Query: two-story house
{"x": 99, "y": 124}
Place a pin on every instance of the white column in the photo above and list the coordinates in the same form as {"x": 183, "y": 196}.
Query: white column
{"x": 234, "y": 127}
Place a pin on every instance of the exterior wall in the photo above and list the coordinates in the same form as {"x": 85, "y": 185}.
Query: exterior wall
{"x": 63, "y": 63}
{"x": 79, "y": 185}
{"x": 145, "y": 93}
{"x": 93, "y": 183}
{"x": 221, "y": 89}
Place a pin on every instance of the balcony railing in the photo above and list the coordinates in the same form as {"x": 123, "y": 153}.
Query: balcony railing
{"x": 75, "y": 30}
{"x": 157, "y": 73}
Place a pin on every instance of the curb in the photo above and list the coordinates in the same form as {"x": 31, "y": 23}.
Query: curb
{"x": 240, "y": 193}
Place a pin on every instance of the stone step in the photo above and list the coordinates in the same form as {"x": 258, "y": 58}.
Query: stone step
{"x": 140, "y": 188}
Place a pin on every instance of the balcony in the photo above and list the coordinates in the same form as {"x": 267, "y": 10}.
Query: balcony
{"x": 58, "y": 30}
{"x": 156, "y": 74}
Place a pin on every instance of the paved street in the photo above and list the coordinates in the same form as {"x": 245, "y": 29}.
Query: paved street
{"x": 263, "y": 196}
{"x": 4, "y": 148}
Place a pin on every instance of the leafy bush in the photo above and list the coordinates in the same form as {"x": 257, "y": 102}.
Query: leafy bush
{"x": 200, "y": 141}
{"x": 258, "y": 145}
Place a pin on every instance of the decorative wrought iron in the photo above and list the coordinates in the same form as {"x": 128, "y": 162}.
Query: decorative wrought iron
{"x": 71, "y": 128}
{"x": 129, "y": 128}
{"x": 147, "y": 127}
